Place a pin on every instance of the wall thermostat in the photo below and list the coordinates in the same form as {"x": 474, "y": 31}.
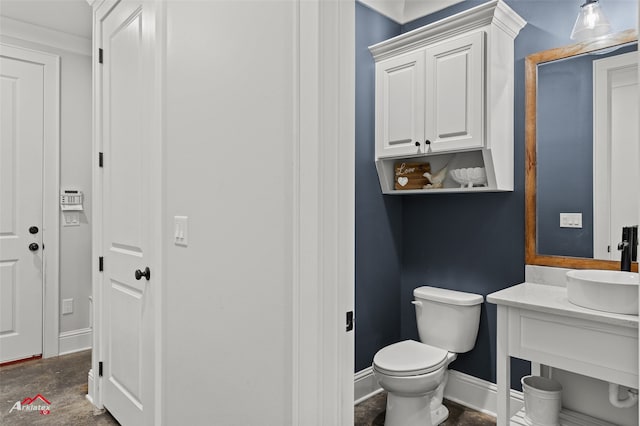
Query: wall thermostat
{"x": 71, "y": 200}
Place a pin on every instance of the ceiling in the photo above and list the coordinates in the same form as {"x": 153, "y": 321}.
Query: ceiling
{"x": 403, "y": 11}
{"x": 74, "y": 16}
{"x": 68, "y": 16}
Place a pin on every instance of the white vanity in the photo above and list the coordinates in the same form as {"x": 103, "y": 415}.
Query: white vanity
{"x": 536, "y": 322}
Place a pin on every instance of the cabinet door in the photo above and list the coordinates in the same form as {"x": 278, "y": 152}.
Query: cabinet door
{"x": 400, "y": 105}
{"x": 455, "y": 94}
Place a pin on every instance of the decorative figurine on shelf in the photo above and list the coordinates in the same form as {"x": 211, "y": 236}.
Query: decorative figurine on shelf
{"x": 436, "y": 179}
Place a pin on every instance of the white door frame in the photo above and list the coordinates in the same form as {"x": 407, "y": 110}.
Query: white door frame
{"x": 50, "y": 191}
{"x": 94, "y": 386}
{"x": 324, "y": 259}
{"x": 101, "y": 9}
{"x": 602, "y": 145}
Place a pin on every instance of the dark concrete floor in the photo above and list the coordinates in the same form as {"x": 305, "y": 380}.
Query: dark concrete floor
{"x": 61, "y": 380}
{"x": 371, "y": 413}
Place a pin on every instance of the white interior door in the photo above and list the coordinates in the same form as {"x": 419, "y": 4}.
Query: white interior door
{"x": 615, "y": 143}
{"x": 126, "y": 299}
{"x": 21, "y": 170}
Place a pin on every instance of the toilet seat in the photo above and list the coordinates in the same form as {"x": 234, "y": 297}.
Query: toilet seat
{"x": 409, "y": 358}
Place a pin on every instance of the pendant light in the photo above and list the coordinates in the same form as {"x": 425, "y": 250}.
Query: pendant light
{"x": 591, "y": 22}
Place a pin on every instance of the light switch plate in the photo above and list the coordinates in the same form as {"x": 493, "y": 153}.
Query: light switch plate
{"x": 181, "y": 231}
{"x": 570, "y": 220}
{"x": 71, "y": 218}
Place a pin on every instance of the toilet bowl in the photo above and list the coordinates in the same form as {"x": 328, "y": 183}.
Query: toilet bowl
{"x": 414, "y": 374}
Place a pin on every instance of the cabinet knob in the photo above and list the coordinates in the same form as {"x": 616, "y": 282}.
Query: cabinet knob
{"x": 427, "y": 142}
{"x": 417, "y": 143}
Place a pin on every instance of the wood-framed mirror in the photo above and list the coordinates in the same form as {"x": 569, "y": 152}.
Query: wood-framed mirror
{"x": 533, "y": 63}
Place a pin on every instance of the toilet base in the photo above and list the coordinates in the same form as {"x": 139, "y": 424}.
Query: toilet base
{"x": 414, "y": 411}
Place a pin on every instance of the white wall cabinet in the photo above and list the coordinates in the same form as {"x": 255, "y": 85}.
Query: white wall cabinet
{"x": 430, "y": 100}
{"x": 447, "y": 88}
{"x": 454, "y": 94}
{"x": 400, "y": 105}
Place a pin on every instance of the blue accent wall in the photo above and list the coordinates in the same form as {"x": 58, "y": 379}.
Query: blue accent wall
{"x": 467, "y": 242}
{"x": 378, "y": 218}
{"x": 565, "y": 135}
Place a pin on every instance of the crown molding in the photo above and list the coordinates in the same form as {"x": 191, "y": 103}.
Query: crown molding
{"x": 403, "y": 11}
{"x": 36, "y": 34}
{"x": 495, "y": 12}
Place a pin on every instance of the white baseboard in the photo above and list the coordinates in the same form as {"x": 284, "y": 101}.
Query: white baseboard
{"x": 464, "y": 389}
{"x": 365, "y": 385}
{"x": 477, "y": 394}
{"x": 90, "y": 386}
{"x": 74, "y": 341}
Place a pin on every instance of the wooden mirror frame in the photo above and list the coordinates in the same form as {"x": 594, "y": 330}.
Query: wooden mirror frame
{"x": 531, "y": 83}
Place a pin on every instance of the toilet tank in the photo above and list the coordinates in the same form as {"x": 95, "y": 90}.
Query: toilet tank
{"x": 447, "y": 319}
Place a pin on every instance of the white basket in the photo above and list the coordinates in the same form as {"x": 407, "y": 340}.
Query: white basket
{"x": 542, "y": 400}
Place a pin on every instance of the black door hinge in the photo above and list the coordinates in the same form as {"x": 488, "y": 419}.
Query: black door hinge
{"x": 100, "y": 369}
{"x": 349, "y": 320}
{"x": 100, "y": 58}
{"x": 100, "y": 160}
{"x": 101, "y": 264}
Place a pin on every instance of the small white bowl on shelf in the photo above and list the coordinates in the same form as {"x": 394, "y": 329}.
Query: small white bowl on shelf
{"x": 469, "y": 177}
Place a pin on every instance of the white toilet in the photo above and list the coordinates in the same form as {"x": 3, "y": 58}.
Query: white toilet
{"x": 414, "y": 374}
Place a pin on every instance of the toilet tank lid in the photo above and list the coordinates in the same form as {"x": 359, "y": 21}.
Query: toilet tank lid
{"x": 451, "y": 297}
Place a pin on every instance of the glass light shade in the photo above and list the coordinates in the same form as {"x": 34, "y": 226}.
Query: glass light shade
{"x": 591, "y": 22}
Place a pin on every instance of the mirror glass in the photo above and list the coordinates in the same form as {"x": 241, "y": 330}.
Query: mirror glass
{"x": 587, "y": 152}
{"x": 584, "y": 162}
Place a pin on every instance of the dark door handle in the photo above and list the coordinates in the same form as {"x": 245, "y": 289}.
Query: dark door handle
{"x": 33, "y": 230}
{"x": 146, "y": 273}
{"x": 34, "y": 246}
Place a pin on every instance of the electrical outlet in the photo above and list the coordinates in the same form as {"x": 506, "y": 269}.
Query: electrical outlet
{"x": 570, "y": 220}
{"x": 67, "y": 306}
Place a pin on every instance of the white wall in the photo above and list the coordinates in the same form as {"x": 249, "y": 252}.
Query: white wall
{"x": 228, "y": 153}
{"x": 75, "y": 157}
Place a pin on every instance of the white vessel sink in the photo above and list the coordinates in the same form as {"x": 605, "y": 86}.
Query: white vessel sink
{"x": 608, "y": 291}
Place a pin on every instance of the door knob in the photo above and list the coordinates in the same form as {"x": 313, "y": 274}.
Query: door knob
{"x": 146, "y": 273}
{"x": 34, "y": 246}
{"x": 417, "y": 143}
{"x": 33, "y": 230}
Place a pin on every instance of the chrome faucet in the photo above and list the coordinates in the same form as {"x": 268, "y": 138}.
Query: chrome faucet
{"x": 628, "y": 247}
